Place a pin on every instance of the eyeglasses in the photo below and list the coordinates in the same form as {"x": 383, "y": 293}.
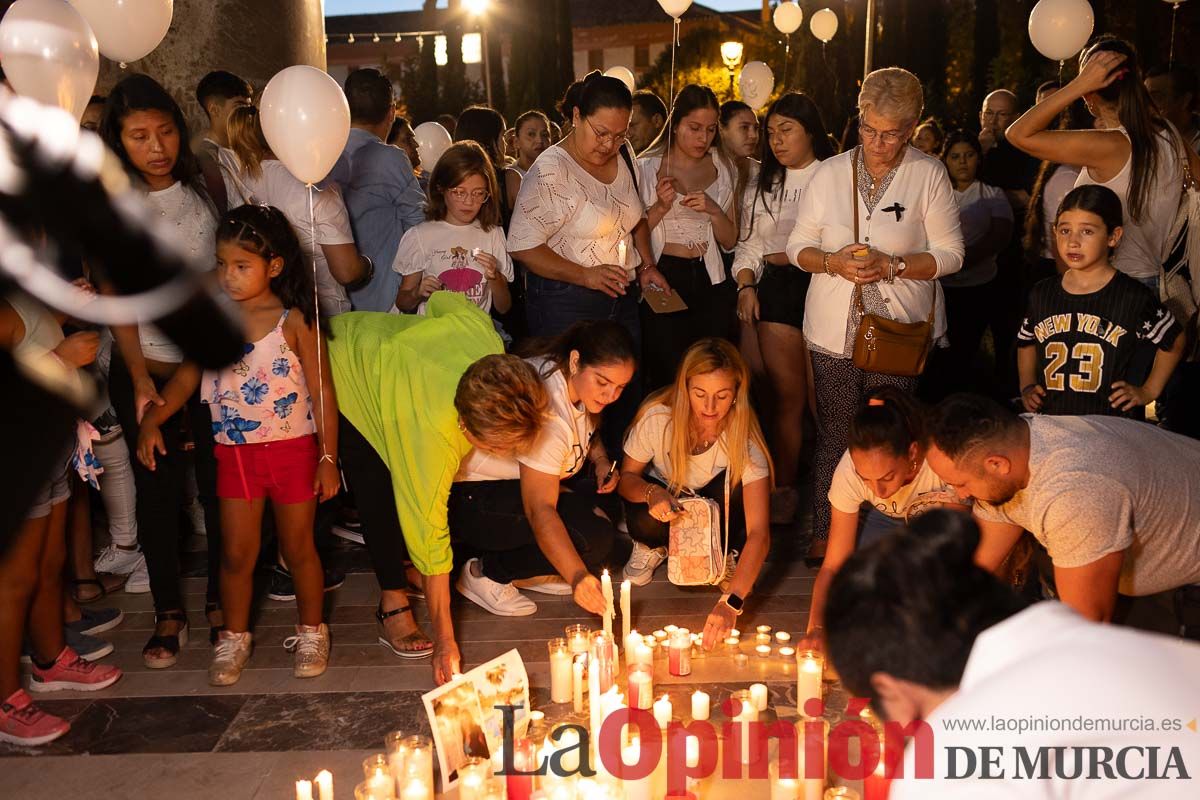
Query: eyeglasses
{"x": 870, "y": 134}
{"x": 608, "y": 138}
{"x": 476, "y": 195}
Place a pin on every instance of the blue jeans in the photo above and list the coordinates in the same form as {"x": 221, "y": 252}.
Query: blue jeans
{"x": 553, "y": 306}
{"x": 874, "y": 525}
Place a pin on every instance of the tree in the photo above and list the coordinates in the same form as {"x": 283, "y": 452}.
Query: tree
{"x": 454, "y": 74}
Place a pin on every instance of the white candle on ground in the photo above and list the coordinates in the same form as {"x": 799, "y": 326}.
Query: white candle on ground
{"x": 787, "y": 652}
{"x": 560, "y": 671}
{"x": 634, "y": 789}
{"x": 764, "y": 628}
{"x": 662, "y": 711}
{"x": 595, "y": 702}
{"x": 747, "y": 715}
{"x": 700, "y": 705}
{"x": 660, "y": 636}
{"x": 763, "y": 650}
{"x": 626, "y": 617}
{"x": 606, "y": 587}
{"x": 758, "y": 694}
{"x": 324, "y": 785}
{"x": 632, "y": 639}
{"x": 416, "y": 790}
{"x": 641, "y": 687}
{"x": 671, "y": 629}
{"x": 642, "y": 654}
{"x": 783, "y": 637}
{"x": 577, "y": 686}
{"x": 304, "y": 790}
{"x": 782, "y": 788}
{"x": 808, "y": 678}
{"x": 735, "y": 633}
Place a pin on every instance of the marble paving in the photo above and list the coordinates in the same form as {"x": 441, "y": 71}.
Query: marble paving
{"x": 168, "y": 733}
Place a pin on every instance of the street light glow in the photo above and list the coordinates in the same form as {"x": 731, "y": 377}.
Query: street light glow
{"x": 476, "y": 8}
{"x": 731, "y": 54}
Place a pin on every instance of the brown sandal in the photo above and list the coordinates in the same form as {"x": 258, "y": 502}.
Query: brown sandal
{"x": 414, "y": 645}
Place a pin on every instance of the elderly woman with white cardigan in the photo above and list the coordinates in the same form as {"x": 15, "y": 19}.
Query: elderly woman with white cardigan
{"x": 908, "y": 218}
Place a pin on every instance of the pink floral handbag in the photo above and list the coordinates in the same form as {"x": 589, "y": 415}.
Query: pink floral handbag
{"x": 698, "y": 546}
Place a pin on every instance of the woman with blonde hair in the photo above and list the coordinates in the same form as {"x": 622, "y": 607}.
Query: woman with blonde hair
{"x": 691, "y": 437}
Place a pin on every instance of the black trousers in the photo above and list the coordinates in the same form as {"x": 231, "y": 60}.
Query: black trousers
{"x": 371, "y": 481}
{"x": 160, "y": 493}
{"x": 665, "y": 337}
{"x": 653, "y": 533}
{"x": 969, "y": 312}
{"x": 487, "y": 520}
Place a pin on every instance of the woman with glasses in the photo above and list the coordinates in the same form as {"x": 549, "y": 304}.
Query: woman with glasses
{"x": 460, "y": 246}
{"x": 532, "y": 520}
{"x": 687, "y": 184}
{"x": 902, "y": 205}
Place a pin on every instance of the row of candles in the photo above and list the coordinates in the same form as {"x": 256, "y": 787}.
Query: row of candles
{"x": 403, "y": 772}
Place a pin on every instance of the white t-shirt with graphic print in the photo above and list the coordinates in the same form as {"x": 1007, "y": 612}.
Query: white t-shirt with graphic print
{"x": 848, "y": 491}
{"x": 447, "y": 252}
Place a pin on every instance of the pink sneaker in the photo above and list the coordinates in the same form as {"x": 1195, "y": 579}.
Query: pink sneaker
{"x": 72, "y": 672}
{"x": 23, "y": 723}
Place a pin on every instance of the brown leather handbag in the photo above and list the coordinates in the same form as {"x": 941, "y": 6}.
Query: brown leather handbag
{"x": 885, "y": 345}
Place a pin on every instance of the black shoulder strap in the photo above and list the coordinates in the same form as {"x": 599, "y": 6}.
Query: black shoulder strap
{"x": 632, "y": 170}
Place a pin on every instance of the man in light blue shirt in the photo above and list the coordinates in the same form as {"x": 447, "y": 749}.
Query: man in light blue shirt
{"x": 380, "y": 188}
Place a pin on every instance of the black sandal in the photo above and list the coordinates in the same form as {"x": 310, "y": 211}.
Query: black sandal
{"x": 415, "y": 637}
{"x": 104, "y": 592}
{"x": 214, "y": 631}
{"x": 171, "y": 643}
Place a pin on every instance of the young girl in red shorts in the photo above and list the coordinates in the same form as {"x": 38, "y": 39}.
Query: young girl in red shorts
{"x": 272, "y": 441}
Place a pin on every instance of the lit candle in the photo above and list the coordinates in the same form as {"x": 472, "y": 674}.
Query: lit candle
{"x": 680, "y": 662}
{"x": 631, "y": 639}
{"x": 700, "y": 705}
{"x": 748, "y": 714}
{"x": 473, "y": 779}
{"x": 626, "y": 617}
{"x": 416, "y": 789}
{"x": 787, "y": 652}
{"x": 841, "y": 793}
{"x": 877, "y": 785}
{"x": 758, "y": 695}
{"x": 808, "y": 677}
{"x": 764, "y": 629}
{"x": 663, "y": 711}
{"x": 735, "y": 633}
{"x": 763, "y": 650}
{"x": 621, "y": 251}
{"x": 733, "y": 642}
{"x": 782, "y": 788}
{"x": 606, "y": 587}
{"x": 379, "y": 787}
{"x": 324, "y": 785}
{"x": 763, "y": 638}
{"x": 671, "y": 629}
{"x": 642, "y": 654}
{"x": 783, "y": 637}
{"x": 635, "y": 789}
{"x": 577, "y": 686}
{"x": 560, "y": 671}
{"x": 641, "y": 686}
{"x": 740, "y": 660}
{"x": 660, "y": 636}
{"x": 304, "y": 790}
{"x": 595, "y": 703}
{"x": 579, "y": 638}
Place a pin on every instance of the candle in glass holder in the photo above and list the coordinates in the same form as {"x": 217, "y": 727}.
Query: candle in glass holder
{"x": 700, "y": 705}
{"x": 416, "y": 790}
{"x": 763, "y": 650}
{"x": 418, "y": 764}
{"x": 663, "y": 711}
{"x": 641, "y": 654}
{"x": 379, "y": 787}
{"x": 809, "y": 666}
{"x": 877, "y": 785}
{"x": 520, "y": 787}
{"x": 600, "y": 660}
{"x": 841, "y": 793}
{"x": 560, "y": 671}
{"x": 782, "y": 788}
{"x": 733, "y": 643}
{"x": 579, "y": 638}
{"x": 680, "y": 662}
{"x": 661, "y": 635}
{"x": 304, "y": 790}
{"x": 324, "y": 785}
{"x": 473, "y": 777}
{"x": 641, "y": 686}
{"x": 788, "y": 653}
{"x": 759, "y": 696}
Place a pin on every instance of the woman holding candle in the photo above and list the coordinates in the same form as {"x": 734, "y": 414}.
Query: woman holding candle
{"x": 416, "y": 394}
{"x": 534, "y": 514}
{"x": 884, "y": 471}
{"x": 693, "y": 436}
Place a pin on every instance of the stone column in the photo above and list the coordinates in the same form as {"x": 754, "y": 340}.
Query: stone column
{"x": 251, "y": 38}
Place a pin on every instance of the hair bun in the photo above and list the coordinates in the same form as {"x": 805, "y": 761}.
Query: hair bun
{"x": 592, "y": 76}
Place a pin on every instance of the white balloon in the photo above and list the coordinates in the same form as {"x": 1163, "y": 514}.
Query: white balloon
{"x": 788, "y": 17}
{"x": 127, "y": 29}
{"x": 306, "y": 121}
{"x": 49, "y": 53}
{"x": 1060, "y": 28}
{"x": 432, "y": 141}
{"x": 624, "y": 75}
{"x": 756, "y": 82}
{"x": 675, "y": 8}
{"x": 824, "y": 24}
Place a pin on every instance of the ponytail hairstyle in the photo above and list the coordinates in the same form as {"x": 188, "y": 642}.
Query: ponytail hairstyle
{"x": 247, "y": 140}
{"x": 740, "y": 427}
{"x": 1140, "y": 118}
{"x": 601, "y": 91}
{"x": 692, "y": 97}
{"x": 598, "y": 342}
{"x": 890, "y": 420}
{"x": 800, "y": 108}
{"x": 266, "y": 232}
{"x": 1074, "y": 118}
{"x": 460, "y": 161}
{"x": 912, "y": 605}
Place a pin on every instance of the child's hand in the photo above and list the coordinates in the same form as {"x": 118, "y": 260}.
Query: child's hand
{"x": 490, "y": 264}
{"x": 327, "y": 483}
{"x": 145, "y": 394}
{"x": 1033, "y": 397}
{"x": 429, "y": 285}
{"x": 79, "y": 349}
{"x": 1126, "y": 396}
{"x": 150, "y": 440}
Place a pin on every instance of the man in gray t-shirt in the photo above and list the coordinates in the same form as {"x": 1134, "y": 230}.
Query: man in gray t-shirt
{"x": 1115, "y": 502}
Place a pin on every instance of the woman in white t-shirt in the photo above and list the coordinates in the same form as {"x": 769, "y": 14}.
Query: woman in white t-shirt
{"x": 694, "y": 436}
{"x": 460, "y": 246}
{"x": 884, "y": 470}
{"x": 986, "y": 219}
{"x": 254, "y": 175}
{"x": 534, "y": 521}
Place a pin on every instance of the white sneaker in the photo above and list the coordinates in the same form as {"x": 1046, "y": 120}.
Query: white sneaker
{"x": 311, "y": 646}
{"x": 229, "y": 658}
{"x": 545, "y": 584}
{"x": 115, "y": 561}
{"x": 501, "y": 599}
{"x": 138, "y": 581}
{"x": 784, "y": 502}
{"x": 642, "y": 563}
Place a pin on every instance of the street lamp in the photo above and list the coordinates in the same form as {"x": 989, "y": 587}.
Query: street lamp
{"x": 731, "y": 54}
{"x": 478, "y": 9}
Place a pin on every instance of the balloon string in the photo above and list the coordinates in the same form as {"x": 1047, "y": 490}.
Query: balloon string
{"x": 1061, "y": 65}
{"x": 671, "y": 92}
{"x": 312, "y": 231}
{"x": 1171, "y": 58}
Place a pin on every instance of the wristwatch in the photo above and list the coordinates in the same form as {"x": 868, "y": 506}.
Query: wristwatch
{"x": 900, "y": 267}
{"x": 734, "y": 602}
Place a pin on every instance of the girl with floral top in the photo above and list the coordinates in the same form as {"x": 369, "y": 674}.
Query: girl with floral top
{"x": 270, "y": 443}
